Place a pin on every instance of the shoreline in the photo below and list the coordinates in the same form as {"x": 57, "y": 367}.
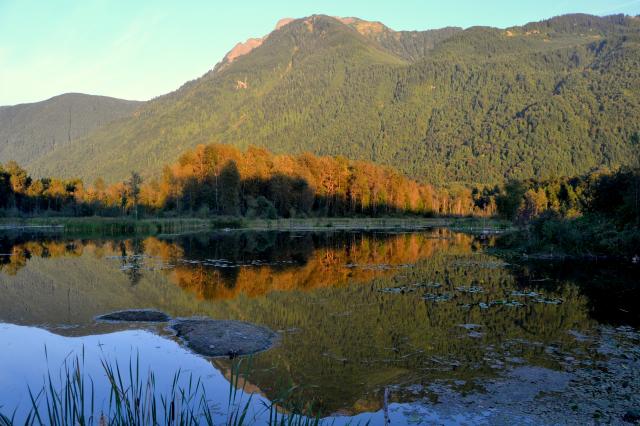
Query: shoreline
{"x": 155, "y": 226}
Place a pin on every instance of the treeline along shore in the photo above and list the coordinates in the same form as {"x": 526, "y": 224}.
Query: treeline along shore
{"x": 220, "y": 180}
{"x": 596, "y": 213}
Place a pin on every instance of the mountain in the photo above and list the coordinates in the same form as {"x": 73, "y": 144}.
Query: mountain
{"x": 410, "y": 45}
{"x": 551, "y": 98}
{"x": 29, "y": 131}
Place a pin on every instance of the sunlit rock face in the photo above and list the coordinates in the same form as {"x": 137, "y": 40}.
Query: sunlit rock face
{"x": 243, "y": 48}
{"x": 284, "y": 21}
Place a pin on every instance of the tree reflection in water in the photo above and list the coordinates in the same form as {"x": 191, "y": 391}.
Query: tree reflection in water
{"x": 358, "y": 312}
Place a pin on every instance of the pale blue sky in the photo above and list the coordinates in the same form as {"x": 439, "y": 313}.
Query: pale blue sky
{"x": 138, "y": 49}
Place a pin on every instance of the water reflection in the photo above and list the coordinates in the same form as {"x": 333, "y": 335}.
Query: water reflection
{"x": 358, "y": 312}
{"x": 147, "y": 352}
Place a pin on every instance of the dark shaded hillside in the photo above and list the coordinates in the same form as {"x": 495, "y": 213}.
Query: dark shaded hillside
{"x": 554, "y": 98}
{"x": 29, "y": 131}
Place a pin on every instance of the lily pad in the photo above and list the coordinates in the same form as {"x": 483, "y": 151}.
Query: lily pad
{"x": 427, "y": 285}
{"x": 524, "y": 294}
{"x": 472, "y": 289}
{"x": 470, "y": 326}
{"x": 475, "y": 334}
{"x": 397, "y": 290}
{"x": 549, "y": 301}
{"x": 437, "y": 297}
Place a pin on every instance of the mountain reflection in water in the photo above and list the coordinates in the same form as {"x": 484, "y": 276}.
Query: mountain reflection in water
{"x": 358, "y": 312}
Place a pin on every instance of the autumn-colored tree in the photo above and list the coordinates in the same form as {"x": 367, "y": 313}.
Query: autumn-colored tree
{"x": 220, "y": 179}
{"x": 534, "y": 203}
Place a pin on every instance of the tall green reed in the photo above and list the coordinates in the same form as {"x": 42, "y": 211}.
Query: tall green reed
{"x": 135, "y": 400}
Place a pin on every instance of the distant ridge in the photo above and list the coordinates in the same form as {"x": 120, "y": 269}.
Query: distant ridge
{"x": 29, "y": 131}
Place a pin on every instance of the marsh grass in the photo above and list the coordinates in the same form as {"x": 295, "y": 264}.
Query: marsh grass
{"x": 126, "y": 226}
{"x": 135, "y": 400}
{"x": 117, "y": 226}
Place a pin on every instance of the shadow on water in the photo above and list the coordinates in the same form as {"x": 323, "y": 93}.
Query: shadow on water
{"x": 611, "y": 288}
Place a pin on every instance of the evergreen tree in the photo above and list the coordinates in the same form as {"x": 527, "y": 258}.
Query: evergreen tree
{"x": 230, "y": 189}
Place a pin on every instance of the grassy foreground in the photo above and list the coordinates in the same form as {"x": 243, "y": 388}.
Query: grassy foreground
{"x": 134, "y": 399}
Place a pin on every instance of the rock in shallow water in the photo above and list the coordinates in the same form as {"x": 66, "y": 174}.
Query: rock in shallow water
{"x": 135, "y": 315}
{"x": 223, "y": 337}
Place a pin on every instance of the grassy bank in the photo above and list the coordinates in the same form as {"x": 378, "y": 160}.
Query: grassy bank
{"x": 590, "y": 236}
{"x": 126, "y": 226}
{"x": 383, "y": 223}
{"x": 115, "y": 226}
{"x": 592, "y": 216}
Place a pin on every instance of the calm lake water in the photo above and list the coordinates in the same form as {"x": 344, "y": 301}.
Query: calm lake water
{"x": 428, "y": 317}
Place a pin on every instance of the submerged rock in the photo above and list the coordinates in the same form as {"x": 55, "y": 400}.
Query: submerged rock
{"x": 135, "y": 315}
{"x": 223, "y": 337}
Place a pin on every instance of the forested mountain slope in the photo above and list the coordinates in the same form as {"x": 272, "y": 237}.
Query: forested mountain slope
{"x": 29, "y": 131}
{"x": 552, "y": 98}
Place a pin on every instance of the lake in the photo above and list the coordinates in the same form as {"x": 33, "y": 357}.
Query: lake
{"x": 416, "y": 327}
